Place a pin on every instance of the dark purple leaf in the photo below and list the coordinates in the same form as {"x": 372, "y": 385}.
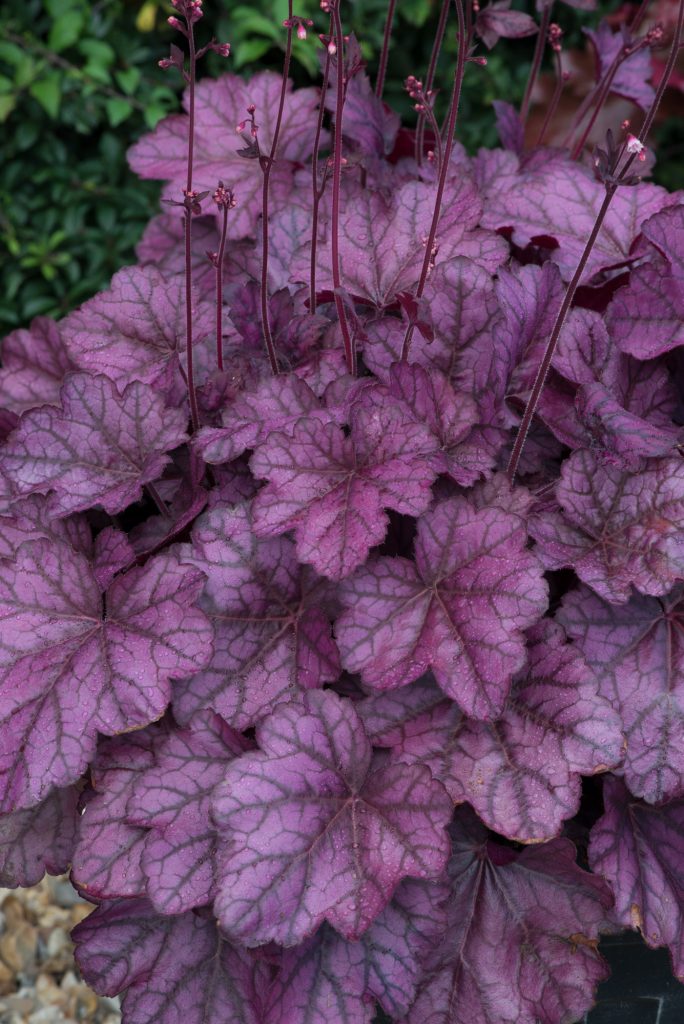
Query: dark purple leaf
{"x": 382, "y": 240}
{"x": 367, "y": 122}
{"x": 353, "y": 832}
{"x": 327, "y": 971}
{"x": 69, "y": 669}
{"x": 616, "y": 528}
{"x": 496, "y": 21}
{"x": 632, "y": 77}
{"x": 171, "y": 798}
{"x": 639, "y": 850}
{"x": 459, "y": 609}
{"x": 220, "y": 105}
{"x": 136, "y": 330}
{"x": 272, "y": 630}
{"x": 174, "y": 970}
{"x": 560, "y": 200}
{"x": 646, "y": 318}
{"x": 521, "y": 939}
{"x": 637, "y": 653}
{"x": 520, "y": 773}
{"x": 99, "y": 449}
{"x": 39, "y": 839}
{"x": 276, "y": 404}
{"x": 34, "y": 363}
{"x": 332, "y": 489}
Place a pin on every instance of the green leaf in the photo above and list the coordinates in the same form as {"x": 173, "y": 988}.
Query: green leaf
{"x": 416, "y": 12}
{"x": 97, "y": 51}
{"x": 48, "y": 91}
{"x": 118, "y": 111}
{"x": 26, "y": 71}
{"x": 7, "y": 105}
{"x": 153, "y": 115}
{"x": 11, "y": 53}
{"x": 128, "y": 80}
{"x": 250, "y": 50}
{"x": 65, "y": 30}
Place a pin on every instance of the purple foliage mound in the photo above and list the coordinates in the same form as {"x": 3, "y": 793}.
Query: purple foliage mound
{"x": 342, "y": 537}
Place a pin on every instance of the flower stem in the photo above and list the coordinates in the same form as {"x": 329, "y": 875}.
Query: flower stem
{"x": 536, "y": 60}
{"x": 266, "y": 167}
{"x": 463, "y": 44}
{"x": 317, "y": 193}
{"x": 555, "y": 99}
{"x": 349, "y": 352}
{"x": 219, "y": 289}
{"x": 194, "y": 411}
{"x": 384, "y": 53}
{"x": 430, "y": 76}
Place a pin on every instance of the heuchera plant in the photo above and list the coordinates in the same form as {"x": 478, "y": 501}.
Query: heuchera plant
{"x": 341, "y": 538}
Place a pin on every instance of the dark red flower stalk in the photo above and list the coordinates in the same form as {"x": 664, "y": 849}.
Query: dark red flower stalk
{"x": 333, "y": 7}
{"x": 536, "y": 59}
{"x": 225, "y": 201}
{"x": 463, "y": 47}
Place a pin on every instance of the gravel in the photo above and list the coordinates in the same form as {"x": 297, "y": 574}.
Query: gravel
{"x": 39, "y": 982}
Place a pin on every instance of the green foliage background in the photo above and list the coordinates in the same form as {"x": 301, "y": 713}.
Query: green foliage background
{"x": 79, "y": 82}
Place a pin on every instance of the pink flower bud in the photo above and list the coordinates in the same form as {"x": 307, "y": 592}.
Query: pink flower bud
{"x": 332, "y": 49}
{"x": 241, "y": 127}
{"x": 165, "y": 63}
{"x": 223, "y": 49}
{"x": 251, "y": 109}
{"x": 301, "y": 31}
{"x": 636, "y": 148}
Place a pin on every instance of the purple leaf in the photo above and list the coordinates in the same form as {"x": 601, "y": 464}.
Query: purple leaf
{"x": 522, "y": 934}
{"x": 366, "y": 120}
{"x": 39, "y": 839}
{"x": 637, "y": 653}
{"x": 276, "y": 404}
{"x": 382, "y": 240}
{"x": 639, "y": 849}
{"x": 353, "y": 832}
{"x": 520, "y": 773}
{"x": 431, "y": 399}
{"x": 98, "y": 450}
{"x": 332, "y": 489}
{"x": 136, "y": 330}
{"x": 69, "y": 669}
{"x": 561, "y": 201}
{"x": 632, "y": 77}
{"x": 616, "y": 528}
{"x": 272, "y": 631}
{"x": 174, "y": 970}
{"x": 113, "y": 552}
{"x": 172, "y": 799}
{"x": 34, "y": 362}
{"x": 220, "y": 104}
{"x": 509, "y": 126}
{"x": 107, "y": 859}
{"x": 460, "y": 609}
{"x": 384, "y": 964}
{"x": 646, "y": 318}
{"x": 496, "y": 21}
{"x": 614, "y": 428}
{"x": 30, "y": 519}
